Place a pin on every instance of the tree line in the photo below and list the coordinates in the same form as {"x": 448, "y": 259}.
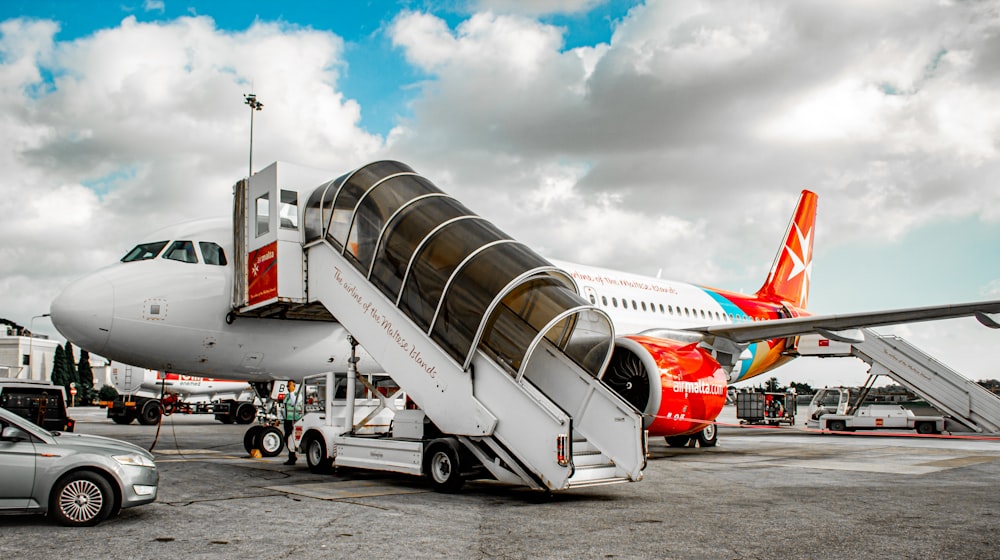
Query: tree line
{"x": 70, "y": 374}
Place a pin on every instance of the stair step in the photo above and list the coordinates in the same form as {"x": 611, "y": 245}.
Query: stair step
{"x": 590, "y": 459}
{"x": 596, "y": 475}
{"x": 593, "y": 473}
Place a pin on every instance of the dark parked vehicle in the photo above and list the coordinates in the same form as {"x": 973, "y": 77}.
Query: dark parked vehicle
{"x": 38, "y": 401}
{"x": 77, "y": 479}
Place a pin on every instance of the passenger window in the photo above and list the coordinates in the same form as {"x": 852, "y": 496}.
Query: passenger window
{"x": 181, "y": 251}
{"x": 144, "y": 251}
{"x": 643, "y": 306}
{"x": 634, "y": 306}
{"x": 661, "y": 308}
{"x": 212, "y": 253}
{"x": 604, "y": 300}
{"x": 614, "y": 302}
{"x": 288, "y": 215}
{"x": 263, "y": 214}
{"x": 593, "y": 300}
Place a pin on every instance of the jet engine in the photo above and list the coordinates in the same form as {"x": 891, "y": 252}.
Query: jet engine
{"x": 677, "y": 385}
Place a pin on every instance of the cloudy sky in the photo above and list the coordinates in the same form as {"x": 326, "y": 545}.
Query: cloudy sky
{"x": 658, "y": 136}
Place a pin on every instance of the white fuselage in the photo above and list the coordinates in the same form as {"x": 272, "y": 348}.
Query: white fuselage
{"x": 169, "y": 315}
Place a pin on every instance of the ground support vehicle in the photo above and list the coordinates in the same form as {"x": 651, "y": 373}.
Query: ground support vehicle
{"x": 40, "y": 402}
{"x": 498, "y": 347}
{"x": 772, "y": 409}
{"x": 147, "y": 410}
{"x": 77, "y": 479}
{"x": 823, "y": 415}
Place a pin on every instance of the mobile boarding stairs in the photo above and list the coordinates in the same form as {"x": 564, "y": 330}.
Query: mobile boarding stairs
{"x": 492, "y": 342}
{"x": 967, "y": 405}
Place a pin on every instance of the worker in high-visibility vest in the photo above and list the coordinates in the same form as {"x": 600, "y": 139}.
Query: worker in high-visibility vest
{"x": 293, "y": 411}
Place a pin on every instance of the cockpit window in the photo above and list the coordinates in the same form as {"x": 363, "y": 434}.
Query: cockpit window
{"x": 144, "y": 251}
{"x": 181, "y": 251}
{"x": 212, "y": 253}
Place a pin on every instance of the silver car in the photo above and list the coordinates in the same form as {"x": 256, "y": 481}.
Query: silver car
{"x": 77, "y": 479}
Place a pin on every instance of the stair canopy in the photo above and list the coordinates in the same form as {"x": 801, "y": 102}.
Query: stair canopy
{"x": 464, "y": 282}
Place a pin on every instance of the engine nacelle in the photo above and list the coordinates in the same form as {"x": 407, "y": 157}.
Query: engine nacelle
{"x": 677, "y": 385}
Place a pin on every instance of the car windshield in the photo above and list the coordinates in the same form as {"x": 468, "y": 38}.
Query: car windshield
{"x": 7, "y": 417}
{"x": 144, "y": 251}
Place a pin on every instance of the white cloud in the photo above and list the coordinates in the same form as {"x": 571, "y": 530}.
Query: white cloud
{"x": 680, "y": 145}
{"x": 143, "y": 125}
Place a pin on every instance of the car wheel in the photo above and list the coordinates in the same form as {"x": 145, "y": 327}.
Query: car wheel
{"x": 81, "y": 499}
{"x": 270, "y": 441}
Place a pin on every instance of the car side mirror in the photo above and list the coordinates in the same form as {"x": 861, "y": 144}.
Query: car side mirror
{"x": 13, "y": 434}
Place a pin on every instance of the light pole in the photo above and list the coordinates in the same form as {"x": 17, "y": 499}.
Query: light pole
{"x": 251, "y": 100}
{"x": 31, "y": 344}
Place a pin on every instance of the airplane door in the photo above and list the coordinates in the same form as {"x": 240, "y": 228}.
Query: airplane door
{"x": 18, "y": 458}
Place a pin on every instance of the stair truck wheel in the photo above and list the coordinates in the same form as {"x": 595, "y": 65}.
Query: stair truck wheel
{"x": 678, "y": 441}
{"x": 150, "y": 413}
{"x": 270, "y": 441}
{"x": 926, "y": 428}
{"x": 316, "y": 457}
{"x": 708, "y": 437}
{"x": 442, "y": 467}
{"x": 246, "y": 413}
{"x": 250, "y": 437}
{"x": 837, "y": 426}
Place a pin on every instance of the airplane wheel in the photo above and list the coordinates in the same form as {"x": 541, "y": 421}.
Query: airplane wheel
{"x": 316, "y": 456}
{"x": 246, "y": 413}
{"x": 708, "y": 437}
{"x": 250, "y": 437}
{"x": 270, "y": 441}
{"x": 442, "y": 467}
{"x": 150, "y": 413}
{"x": 678, "y": 441}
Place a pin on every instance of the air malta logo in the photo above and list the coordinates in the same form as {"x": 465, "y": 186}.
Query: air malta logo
{"x": 801, "y": 261}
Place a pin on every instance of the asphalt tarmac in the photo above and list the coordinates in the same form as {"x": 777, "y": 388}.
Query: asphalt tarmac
{"x": 760, "y": 494}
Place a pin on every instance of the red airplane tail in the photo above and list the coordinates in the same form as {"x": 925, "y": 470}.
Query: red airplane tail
{"x": 788, "y": 281}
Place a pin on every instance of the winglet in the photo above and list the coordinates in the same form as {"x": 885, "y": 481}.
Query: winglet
{"x": 790, "y": 274}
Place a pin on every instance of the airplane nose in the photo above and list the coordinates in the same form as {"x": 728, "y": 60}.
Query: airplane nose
{"x": 82, "y": 312}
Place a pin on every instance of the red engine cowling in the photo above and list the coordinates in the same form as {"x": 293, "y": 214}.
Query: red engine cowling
{"x": 677, "y": 386}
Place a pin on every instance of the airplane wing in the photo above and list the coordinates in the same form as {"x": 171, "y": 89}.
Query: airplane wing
{"x": 830, "y": 325}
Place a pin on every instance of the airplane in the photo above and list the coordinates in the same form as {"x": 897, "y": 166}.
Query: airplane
{"x": 169, "y": 305}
